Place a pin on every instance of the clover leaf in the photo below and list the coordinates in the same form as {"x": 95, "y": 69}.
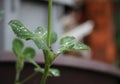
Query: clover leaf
{"x": 68, "y": 40}
{"x": 23, "y": 55}
{"x": 68, "y": 43}
{"x": 51, "y": 72}
{"x": 53, "y": 37}
{"x": 54, "y": 72}
{"x": 39, "y": 37}
{"x": 80, "y": 46}
{"x": 17, "y": 47}
{"x": 20, "y": 30}
{"x": 29, "y": 53}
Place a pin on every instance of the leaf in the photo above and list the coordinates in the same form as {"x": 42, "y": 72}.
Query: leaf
{"x": 68, "y": 44}
{"x": 39, "y": 38}
{"x": 20, "y": 30}
{"x": 41, "y": 70}
{"x": 80, "y": 46}
{"x": 54, "y": 72}
{"x": 41, "y": 44}
{"x": 68, "y": 40}
{"x": 51, "y": 72}
{"x": 29, "y": 53}
{"x": 17, "y": 47}
{"x": 41, "y": 32}
{"x": 53, "y": 37}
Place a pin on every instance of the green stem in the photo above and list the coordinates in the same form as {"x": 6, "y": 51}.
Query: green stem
{"x": 17, "y": 78}
{"x": 49, "y": 21}
{"x": 45, "y": 74}
{"x": 18, "y": 71}
{"x": 29, "y": 77}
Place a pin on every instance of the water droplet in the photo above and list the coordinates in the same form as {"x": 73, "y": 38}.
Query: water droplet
{"x": 80, "y": 47}
{"x": 25, "y": 30}
{"x": 22, "y": 27}
{"x": 39, "y": 32}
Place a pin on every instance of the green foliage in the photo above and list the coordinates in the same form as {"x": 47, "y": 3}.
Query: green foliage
{"x": 17, "y": 47}
{"x": 53, "y": 38}
{"x": 20, "y": 30}
{"x": 29, "y": 53}
{"x": 26, "y": 54}
{"x": 80, "y": 46}
{"x": 54, "y": 72}
{"x": 51, "y": 72}
{"x": 68, "y": 43}
{"x": 22, "y": 55}
{"x": 39, "y": 36}
{"x": 43, "y": 38}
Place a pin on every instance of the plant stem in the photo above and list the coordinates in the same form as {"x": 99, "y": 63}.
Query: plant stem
{"x": 45, "y": 74}
{"x": 17, "y": 78}
{"x": 44, "y": 77}
{"x": 29, "y": 77}
{"x": 49, "y": 21}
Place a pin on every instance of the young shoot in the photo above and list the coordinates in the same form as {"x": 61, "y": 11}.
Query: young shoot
{"x": 43, "y": 38}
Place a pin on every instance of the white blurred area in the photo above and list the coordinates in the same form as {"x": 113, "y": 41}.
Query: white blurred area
{"x": 81, "y": 30}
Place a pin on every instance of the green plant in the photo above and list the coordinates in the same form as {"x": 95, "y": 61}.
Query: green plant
{"x": 43, "y": 38}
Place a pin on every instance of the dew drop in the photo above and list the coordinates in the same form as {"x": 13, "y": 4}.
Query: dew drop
{"x": 25, "y": 30}
{"x": 80, "y": 47}
{"x": 22, "y": 27}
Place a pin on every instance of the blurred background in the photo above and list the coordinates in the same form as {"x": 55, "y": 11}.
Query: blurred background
{"x": 94, "y": 22}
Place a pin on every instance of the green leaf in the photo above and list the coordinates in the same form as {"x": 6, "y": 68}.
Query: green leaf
{"x": 41, "y": 44}
{"x": 41, "y": 32}
{"x": 39, "y": 38}
{"x": 53, "y": 37}
{"x": 17, "y": 47}
{"x": 80, "y": 46}
{"x": 68, "y": 40}
{"x": 68, "y": 44}
{"x": 37, "y": 69}
{"x": 54, "y": 72}
{"x": 29, "y": 53}
{"x": 20, "y": 30}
